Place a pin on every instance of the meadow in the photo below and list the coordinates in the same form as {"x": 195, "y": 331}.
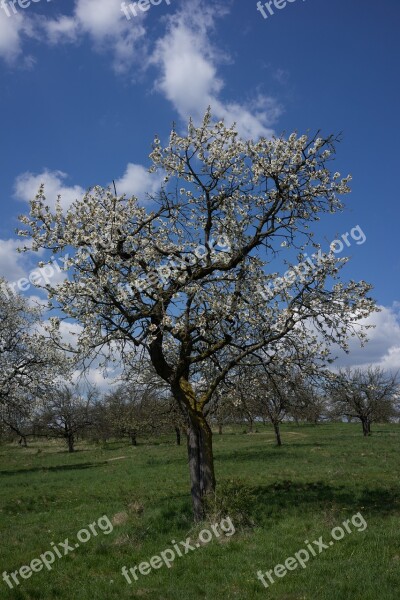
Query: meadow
{"x": 276, "y": 498}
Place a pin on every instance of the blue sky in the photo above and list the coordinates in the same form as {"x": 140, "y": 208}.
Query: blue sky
{"x": 84, "y": 91}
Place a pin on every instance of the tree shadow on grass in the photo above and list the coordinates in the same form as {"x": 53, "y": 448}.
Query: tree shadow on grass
{"x": 265, "y": 454}
{"x": 54, "y": 469}
{"x": 276, "y": 498}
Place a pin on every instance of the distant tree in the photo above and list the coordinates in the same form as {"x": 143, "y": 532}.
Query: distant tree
{"x": 368, "y": 395}
{"x": 100, "y": 425}
{"x": 274, "y": 388}
{"x": 66, "y": 413}
{"x": 16, "y": 418}
{"x": 308, "y": 404}
{"x": 223, "y": 410}
{"x": 276, "y": 397}
{"x": 132, "y": 411}
{"x": 165, "y": 414}
{"x": 171, "y": 417}
{"x": 266, "y": 392}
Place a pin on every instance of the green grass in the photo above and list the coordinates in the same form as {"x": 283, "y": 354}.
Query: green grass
{"x": 277, "y": 498}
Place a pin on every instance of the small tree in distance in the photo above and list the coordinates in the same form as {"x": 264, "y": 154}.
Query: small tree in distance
{"x": 131, "y": 411}
{"x": 368, "y": 395}
{"x": 183, "y": 279}
{"x": 67, "y": 413}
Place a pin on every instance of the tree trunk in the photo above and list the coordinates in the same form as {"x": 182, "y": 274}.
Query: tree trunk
{"x": 220, "y": 428}
{"x": 277, "y": 433}
{"x": 22, "y": 442}
{"x": 178, "y": 436}
{"x": 133, "y": 438}
{"x": 70, "y": 440}
{"x": 366, "y": 425}
{"x": 250, "y": 418}
{"x": 201, "y": 462}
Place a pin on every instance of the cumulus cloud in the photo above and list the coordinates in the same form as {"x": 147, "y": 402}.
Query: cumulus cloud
{"x": 27, "y": 184}
{"x": 95, "y": 377}
{"x": 107, "y": 27}
{"x": 137, "y": 181}
{"x": 11, "y": 262}
{"x": 189, "y": 79}
{"x": 100, "y": 20}
{"x": 102, "y": 377}
{"x": 383, "y": 347}
{"x": 21, "y": 271}
{"x": 186, "y": 58}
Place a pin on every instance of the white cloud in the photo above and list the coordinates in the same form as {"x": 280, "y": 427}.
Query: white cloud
{"x": 102, "y": 377}
{"x": 20, "y": 269}
{"x": 69, "y": 332}
{"x": 13, "y": 29}
{"x": 95, "y": 377}
{"x": 38, "y": 302}
{"x": 189, "y": 79}
{"x": 137, "y": 181}
{"x": 187, "y": 60}
{"x": 107, "y": 27}
{"x": 27, "y": 184}
{"x": 11, "y": 262}
{"x": 383, "y": 347}
{"x": 101, "y": 20}
{"x": 391, "y": 360}
{"x": 63, "y": 29}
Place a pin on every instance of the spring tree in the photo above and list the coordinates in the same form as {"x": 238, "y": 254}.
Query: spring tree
{"x": 182, "y": 276}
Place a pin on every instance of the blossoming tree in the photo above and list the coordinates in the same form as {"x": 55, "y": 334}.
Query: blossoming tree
{"x": 182, "y": 277}
{"x": 29, "y": 362}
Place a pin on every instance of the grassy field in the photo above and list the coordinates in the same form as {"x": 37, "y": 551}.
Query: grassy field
{"x": 276, "y": 498}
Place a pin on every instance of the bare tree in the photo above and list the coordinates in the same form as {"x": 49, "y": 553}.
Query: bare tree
{"x": 308, "y": 403}
{"x": 266, "y": 391}
{"x": 368, "y": 395}
{"x": 66, "y": 413}
{"x": 100, "y": 425}
{"x": 125, "y": 411}
{"x": 17, "y": 418}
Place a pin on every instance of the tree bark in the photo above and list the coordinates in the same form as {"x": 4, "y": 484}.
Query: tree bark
{"x": 220, "y": 428}
{"x": 70, "y": 440}
{"x": 178, "y": 436}
{"x": 366, "y": 425}
{"x": 201, "y": 462}
{"x": 277, "y": 433}
{"x": 199, "y": 446}
{"x": 133, "y": 438}
{"x": 251, "y": 422}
